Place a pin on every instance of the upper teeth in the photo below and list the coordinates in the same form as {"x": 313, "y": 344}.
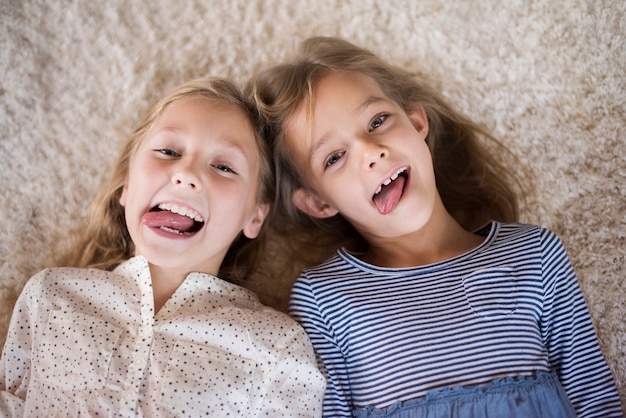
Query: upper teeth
{"x": 390, "y": 179}
{"x": 182, "y": 210}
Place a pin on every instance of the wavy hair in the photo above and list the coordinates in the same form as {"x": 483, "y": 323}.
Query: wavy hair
{"x": 474, "y": 185}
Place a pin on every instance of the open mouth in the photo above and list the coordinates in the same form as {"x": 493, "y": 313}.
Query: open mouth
{"x": 388, "y": 194}
{"x": 174, "y": 218}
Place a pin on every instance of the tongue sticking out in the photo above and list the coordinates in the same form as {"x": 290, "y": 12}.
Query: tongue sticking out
{"x": 169, "y": 220}
{"x": 389, "y": 196}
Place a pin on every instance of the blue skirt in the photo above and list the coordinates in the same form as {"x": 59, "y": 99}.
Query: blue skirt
{"x": 541, "y": 396}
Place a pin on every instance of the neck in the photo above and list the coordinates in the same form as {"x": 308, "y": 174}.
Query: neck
{"x": 439, "y": 241}
{"x": 164, "y": 284}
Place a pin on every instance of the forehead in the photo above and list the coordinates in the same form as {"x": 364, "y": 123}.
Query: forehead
{"x": 348, "y": 90}
{"x": 346, "y": 82}
{"x": 203, "y": 111}
{"x": 206, "y": 118}
{"x": 335, "y": 97}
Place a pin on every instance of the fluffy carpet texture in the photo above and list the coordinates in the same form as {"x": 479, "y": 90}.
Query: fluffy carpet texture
{"x": 546, "y": 77}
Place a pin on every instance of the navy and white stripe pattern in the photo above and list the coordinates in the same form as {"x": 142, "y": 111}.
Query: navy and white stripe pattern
{"x": 511, "y": 307}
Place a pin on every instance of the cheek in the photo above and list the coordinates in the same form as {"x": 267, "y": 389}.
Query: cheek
{"x": 136, "y": 188}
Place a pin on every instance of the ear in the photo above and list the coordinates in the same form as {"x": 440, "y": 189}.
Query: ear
{"x": 311, "y": 204}
{"x": 253, "y": 227}
{"x": 419, "y": 120}
{"x": 123, "y": 196}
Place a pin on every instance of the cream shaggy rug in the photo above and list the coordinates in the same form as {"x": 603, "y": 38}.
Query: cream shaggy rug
{"x": 546, "y": 77}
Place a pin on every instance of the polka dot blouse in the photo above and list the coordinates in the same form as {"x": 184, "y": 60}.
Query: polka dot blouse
{"x": 86, "y": 342}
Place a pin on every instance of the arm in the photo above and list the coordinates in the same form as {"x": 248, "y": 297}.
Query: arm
{"x": 295, "y": 387}
{"x": 305, "y": 309}
{"x": 570, "y": 337}
{"x": 16, "y": 355}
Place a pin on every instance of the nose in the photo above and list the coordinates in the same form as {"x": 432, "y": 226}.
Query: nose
{"x": 186, "y": 176}
{"x": 373, "y": 153}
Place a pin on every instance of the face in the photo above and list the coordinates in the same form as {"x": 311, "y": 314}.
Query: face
{"x": 363, "y": 156}
{"x": 192, "y": 186}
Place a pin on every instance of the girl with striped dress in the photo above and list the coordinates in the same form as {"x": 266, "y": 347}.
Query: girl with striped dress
{"x": 450, "y": 307}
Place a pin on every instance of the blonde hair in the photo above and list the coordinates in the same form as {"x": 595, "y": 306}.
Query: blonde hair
{"x": 475, "y": 187}
{"x": 104, "y": 241}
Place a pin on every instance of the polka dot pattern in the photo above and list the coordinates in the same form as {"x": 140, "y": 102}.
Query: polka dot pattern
{"x": 87, "y": 342}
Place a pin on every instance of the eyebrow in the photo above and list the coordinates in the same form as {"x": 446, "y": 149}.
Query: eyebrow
{"x": 319, "y": 144}
{"x": 367, "y": 103}
{"x": 231, "y": 142}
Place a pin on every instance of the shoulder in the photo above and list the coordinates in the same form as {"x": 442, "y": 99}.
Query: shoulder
{"x": 276, "y": 339}
{"x": 58, "y": 276}
{"x": 338, "y": 267}
{"x": 335, "y": 271}
{"x": 528, "y": 240}
{"x": 268, "y": 326}
{"x": 511, "y": 229}
{"x": 65, "y": 285}
{"x": 53, "y": 288}
{"x": 523, "y": 232}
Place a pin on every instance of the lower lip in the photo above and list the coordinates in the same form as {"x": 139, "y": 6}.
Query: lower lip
{"x": 171, "y": 235}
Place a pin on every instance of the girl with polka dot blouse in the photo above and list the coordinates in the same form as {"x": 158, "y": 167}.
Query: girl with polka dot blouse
{"x": 152, "y": 321}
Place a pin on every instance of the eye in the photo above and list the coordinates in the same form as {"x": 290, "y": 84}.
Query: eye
{"x": 333, "y": 159}
{"x": 224, "y": 168}
{"x": 377, "y": 122}
{"x": 168, "y": 152}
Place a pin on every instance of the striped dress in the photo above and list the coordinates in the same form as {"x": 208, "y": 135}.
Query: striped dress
{"x": 509, "y": 310}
